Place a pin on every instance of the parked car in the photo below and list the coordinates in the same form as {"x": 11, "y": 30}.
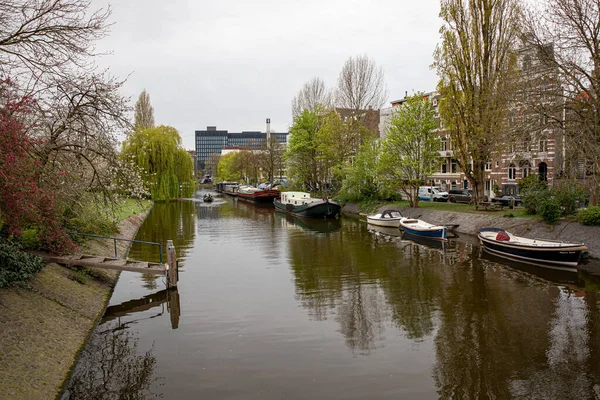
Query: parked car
{"x": 460, "y": 196}
{"x": 507, "y": 200}
{"x": 429, "y": 193}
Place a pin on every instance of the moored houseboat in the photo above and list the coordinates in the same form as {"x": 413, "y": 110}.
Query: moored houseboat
{"x": 257, "y": 195}
{"x": 229, "y": 188}
{"x": 301, "y": 204}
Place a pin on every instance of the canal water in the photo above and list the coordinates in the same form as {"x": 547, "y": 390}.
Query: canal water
{"x": 274, "y": 307}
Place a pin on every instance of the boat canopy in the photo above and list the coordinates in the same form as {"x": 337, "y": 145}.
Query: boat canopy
{"x": 391, "y": 214}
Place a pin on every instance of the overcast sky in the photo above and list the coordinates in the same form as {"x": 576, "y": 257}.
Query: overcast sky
{"x": 233, "y": 63}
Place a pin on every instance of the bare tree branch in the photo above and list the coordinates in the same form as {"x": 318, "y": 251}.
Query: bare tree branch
{"x": 361, "y": 85}
{"x": 313, "y": 94}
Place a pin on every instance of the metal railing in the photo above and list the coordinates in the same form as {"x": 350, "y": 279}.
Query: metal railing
{"x": 114, "y": 239}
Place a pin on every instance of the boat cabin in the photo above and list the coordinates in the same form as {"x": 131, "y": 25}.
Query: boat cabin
{"x": 296, "y": 198}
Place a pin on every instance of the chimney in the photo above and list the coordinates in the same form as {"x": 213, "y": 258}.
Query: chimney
{"x": 268, "y": 129}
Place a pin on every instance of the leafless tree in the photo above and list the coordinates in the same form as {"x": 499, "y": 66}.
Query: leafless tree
{"x": 271, "y": 157}
{"x": 567, "y": 34}
{"x": 76, "y": 125}
{"x": 47, "y": 47}
{"x": 313, "y": 94}
{"x": 41, "y": 37}
{"x": 144, "y": 112}
{"x": 361, "y": 85}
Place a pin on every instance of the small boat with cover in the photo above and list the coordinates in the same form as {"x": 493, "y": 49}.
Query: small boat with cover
{"x": 389, "y": 218}
{"x": 549, "y": 253}
{"x": 207, "y": 198}
{"x": 423, "y": 229}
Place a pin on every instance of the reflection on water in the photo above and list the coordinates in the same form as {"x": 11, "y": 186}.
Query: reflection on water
{"x": 275, "y": 306}
{"x": 110, "y": 367}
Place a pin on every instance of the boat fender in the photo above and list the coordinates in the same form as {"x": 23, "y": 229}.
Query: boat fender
{"x": 502, "y": 237}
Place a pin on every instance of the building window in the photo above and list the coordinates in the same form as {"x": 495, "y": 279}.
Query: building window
{"x": 453, "y": 185}
{"x": 525, "y": 169}
{"x": 443, "y": 144}
{"x": 512, "y": 172}
{"x": 454, "y": 166}
{"x": 444, "y": 167}
{"x": 543, "y": 144}
{"x": 488, "y": 166}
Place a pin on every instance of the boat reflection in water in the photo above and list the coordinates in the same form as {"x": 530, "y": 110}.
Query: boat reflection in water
{"x": 540, "y": 271}
{"x": 319, "y": 225}
{"x": 398, "y": 233}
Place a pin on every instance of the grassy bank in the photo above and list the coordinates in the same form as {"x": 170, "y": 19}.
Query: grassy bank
{"x": 46, "y": 321}
{"x": 132, "y": 207}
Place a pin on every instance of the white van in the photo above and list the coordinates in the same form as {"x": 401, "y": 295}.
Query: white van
{"x": 429, "y": 193}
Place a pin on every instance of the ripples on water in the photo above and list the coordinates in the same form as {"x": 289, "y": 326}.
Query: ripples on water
{"x": 276, "y": 307}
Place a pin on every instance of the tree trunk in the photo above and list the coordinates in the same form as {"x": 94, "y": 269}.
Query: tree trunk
{"x": 478, "y": 182}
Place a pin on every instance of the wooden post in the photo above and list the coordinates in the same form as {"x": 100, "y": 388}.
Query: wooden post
{"x": 172, "y": 261}
{"x": 173, "y": 307}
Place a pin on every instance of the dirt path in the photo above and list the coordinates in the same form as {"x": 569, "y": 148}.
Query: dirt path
{"x": 44, "y": 324}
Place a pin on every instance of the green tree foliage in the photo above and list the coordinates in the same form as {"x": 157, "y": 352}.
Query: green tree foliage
{"x": 477, "y": 69}
{"x": 410, "y": 149}
{"x": 533, "y": 190}
{"x": 166, "y": 167}
{"x": 225, "y": 171}
{"x": 550, "y": 209}
{"x": 304, "y": 163}
{"x": 339, "y": 141}
{"x": 240, "y": 166}
{"x": 589, "y": 216}
{"x": 321, "y": 146}
{"x": 360, "y": 182}
{"x": 247, "y": 163}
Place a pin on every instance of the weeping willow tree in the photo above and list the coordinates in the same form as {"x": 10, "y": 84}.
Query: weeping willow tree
{"x": 166, "y": 168}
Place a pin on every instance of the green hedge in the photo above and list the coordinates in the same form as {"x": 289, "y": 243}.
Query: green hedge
{"x": 550, "y": 210}
{"x": 16, "y": 265}
{"x": 589, "y": 216}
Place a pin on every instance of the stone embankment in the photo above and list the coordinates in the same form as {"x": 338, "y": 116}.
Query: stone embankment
{"x": 566, "y": 231}
{"x": 44, "y": 324}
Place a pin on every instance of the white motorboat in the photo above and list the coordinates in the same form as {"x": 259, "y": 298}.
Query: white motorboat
{"x": 389, "y": 218}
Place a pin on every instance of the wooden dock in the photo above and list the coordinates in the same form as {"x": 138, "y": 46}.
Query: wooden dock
{"x": 119, "y": 264}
